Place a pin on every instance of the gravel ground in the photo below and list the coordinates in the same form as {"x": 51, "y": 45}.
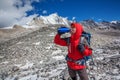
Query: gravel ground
{"x": 34, "y": 56}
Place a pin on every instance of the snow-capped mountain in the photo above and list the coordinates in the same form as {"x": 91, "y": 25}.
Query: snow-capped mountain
{"x": 52, "y": 19}
{"x": 115, "y": 22}
{"x": 101, "y": 25}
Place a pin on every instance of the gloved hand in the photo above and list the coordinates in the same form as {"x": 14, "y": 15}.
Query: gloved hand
{"x": 81, "y": 48}
{"x": 65, "y": 35}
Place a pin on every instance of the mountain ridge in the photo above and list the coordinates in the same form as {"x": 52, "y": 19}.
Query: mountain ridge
{"x": 55, "y": 19}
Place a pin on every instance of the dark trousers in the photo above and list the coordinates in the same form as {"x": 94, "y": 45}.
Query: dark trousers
{"x": 82, "y": 74}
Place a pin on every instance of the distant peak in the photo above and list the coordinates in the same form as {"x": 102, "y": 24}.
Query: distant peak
{"x": 54, "y": 14}
{"x": 114, "y": 22}
{"x": 51, "y": 19}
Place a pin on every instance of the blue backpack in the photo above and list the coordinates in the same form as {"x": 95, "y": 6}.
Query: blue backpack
{"x": 87, "y": 36}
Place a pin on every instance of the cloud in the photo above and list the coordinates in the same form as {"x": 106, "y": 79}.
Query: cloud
{"x": 99, "y": 19}
{"x": 44, "y": 12}
{"x": 73, "y": 18}
{"x": 15, "y": 11}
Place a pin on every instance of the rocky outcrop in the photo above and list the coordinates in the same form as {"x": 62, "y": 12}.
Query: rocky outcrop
{"x": 89, "y": 24}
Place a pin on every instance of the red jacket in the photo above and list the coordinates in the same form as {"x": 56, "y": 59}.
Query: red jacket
{"x": 73, "y": 52}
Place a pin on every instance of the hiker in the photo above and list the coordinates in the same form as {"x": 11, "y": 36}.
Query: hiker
{"x": 75, "y": 56}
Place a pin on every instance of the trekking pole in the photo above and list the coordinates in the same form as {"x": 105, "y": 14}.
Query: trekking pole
{"x": 92, "y": 60}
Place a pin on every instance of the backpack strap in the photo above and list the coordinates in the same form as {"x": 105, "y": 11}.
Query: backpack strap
{"x": 84, "y": 39}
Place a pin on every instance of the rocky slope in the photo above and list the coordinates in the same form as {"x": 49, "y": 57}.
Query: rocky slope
{"x": 34, "y": 56}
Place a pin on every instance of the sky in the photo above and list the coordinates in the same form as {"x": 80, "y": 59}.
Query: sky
{"x": 21, "y": 11}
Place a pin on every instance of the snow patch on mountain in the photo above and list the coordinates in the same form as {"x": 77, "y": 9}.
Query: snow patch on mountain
{"x": 52, "y": 19}
{"x": 115, "y": 22}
